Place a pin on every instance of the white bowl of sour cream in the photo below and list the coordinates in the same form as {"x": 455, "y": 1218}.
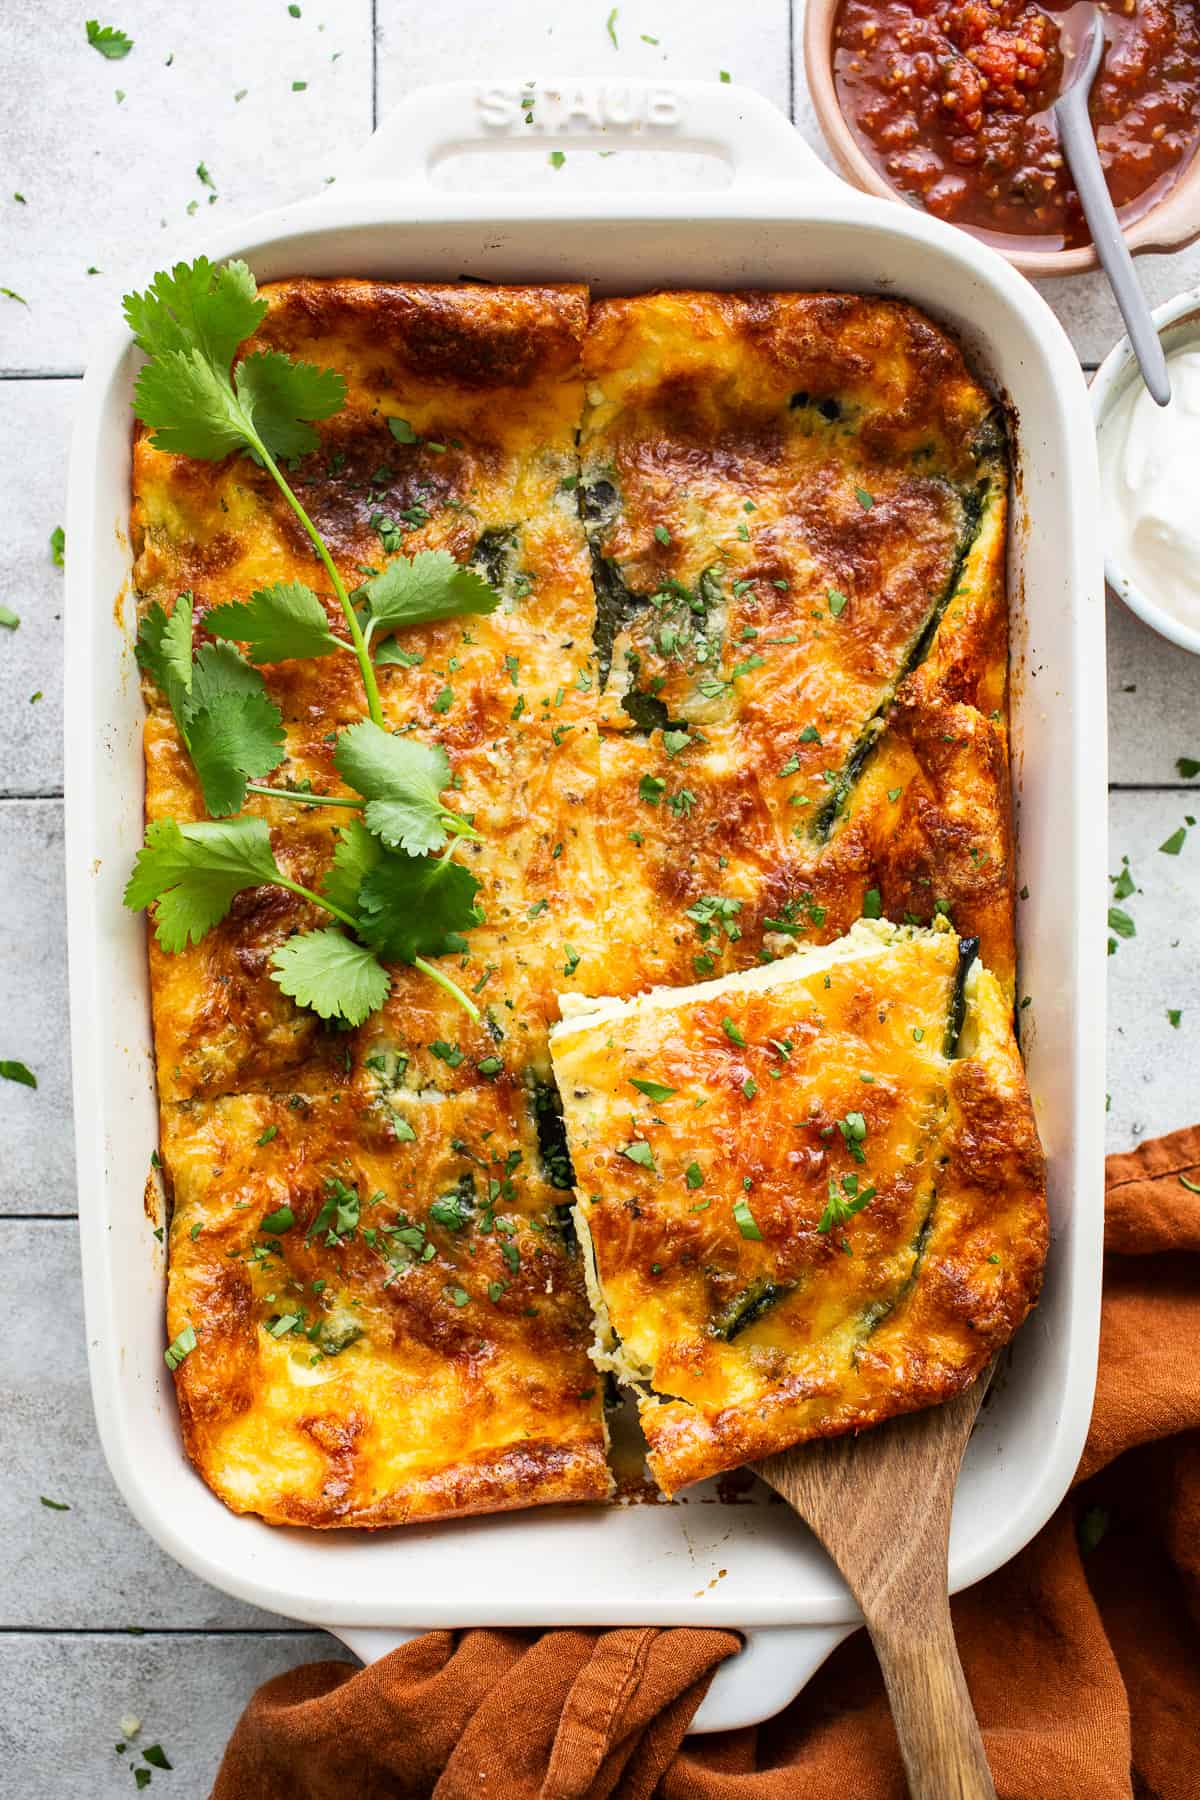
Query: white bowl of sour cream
{"x": 1150, "y": 477}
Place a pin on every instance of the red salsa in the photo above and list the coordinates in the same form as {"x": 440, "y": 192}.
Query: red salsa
{"x": 951, "y": 103}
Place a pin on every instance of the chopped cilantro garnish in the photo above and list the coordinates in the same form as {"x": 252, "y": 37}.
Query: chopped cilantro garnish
{"x": 653, "y": 1090}
{"x": 872, "y": 904}
{"x": 17, "y": 1071}
{"x": 694, "y": 1175}
{"x": 732, "y": 1032}
{"x": 745, "y": 1221}
{"x": 837, "y": 602}
{"x": 1174, "y": 844}
{"x": 639, "y": 1152}
{"x": 108, "y": 40}
{"x": 181, "y": 1346}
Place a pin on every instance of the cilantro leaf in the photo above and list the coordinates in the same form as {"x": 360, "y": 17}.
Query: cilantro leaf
{"x": 193, "y": 872}
{"x": 164, "y": 651}
{"x": 17, "y": 1071}
{"x": 197, "y": 307}
{"x": 354, "y": 856}
{"x": 401, "y": 780}
{"x": 408, "y": 906}
{"x": 329, "y": 972}
{"x": 108, "y": 40}
{"x": 234, "y": 739}
{"x": 424, "y": 588}
{"x": 277, "y": 622}
{"x": 58, "y": 547}
{"x": 281, "y": 397}
{"x": 190, "y": 323}
{"x": 231, "y": 729}
{"x": 190, "y": 406}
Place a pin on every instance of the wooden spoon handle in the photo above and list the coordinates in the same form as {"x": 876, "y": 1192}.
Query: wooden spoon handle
{"x": 935, "y": 1721}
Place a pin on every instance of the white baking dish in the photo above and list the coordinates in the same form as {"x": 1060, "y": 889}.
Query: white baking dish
{"x": 782, "y": 222}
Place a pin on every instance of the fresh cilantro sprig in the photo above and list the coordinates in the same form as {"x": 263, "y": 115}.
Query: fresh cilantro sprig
{"x": 386, "y": 885}
{"x": 398, "y": 906}
{"x": 191, "y": 323}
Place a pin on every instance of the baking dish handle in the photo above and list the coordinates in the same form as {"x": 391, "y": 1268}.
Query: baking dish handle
{"x": 770, "y": 1670}
{"x": 748, "y": 133}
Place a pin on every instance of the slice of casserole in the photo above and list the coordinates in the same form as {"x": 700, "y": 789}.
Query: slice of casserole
{"x": 811, "y": 1194}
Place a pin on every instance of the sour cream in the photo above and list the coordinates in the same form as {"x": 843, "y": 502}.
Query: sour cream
{"x": 1150, "y": 473}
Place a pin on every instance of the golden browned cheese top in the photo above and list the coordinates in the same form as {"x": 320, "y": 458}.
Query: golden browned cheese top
{"x": 746, "y": 680}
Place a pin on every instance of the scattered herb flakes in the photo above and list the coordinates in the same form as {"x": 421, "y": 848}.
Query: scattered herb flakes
{"x": 653, "y": 1090}
{"x": 1193, "y": 1187}
{"x": 694, "y": 1175}
{"x": 180, "y": 1347}
{"x": 749, "y": 1087}
{"x": 557, "y": 158}
{"x": 293, "y": 10}
{"x": 837, "y": 603}
{"x": 610, "y": 25}
{"x": 271, "y": 1132}
{"x": 459, "y": 1296}
{"x": 841, "y": 1206}
{"x": 20, "y": 199}
{"x": 298, "y": 87}
{"x": 572, "y": 962}
{"x": 58, "y": 547}
{"x": 744, "y": 1220}
{"x": 241, "y": 94}
{"x": 1188, "y": 766}
{"x": 732, "y": 1032}
{"x": 12, "y": 294}
{"x": 156, "y": 1756}
{"x": 17, "y": 1071}
{"x": 141, "y": 1779}
{"x": 675, "y": 741}
{"x": 647, "y": 39}
{"x": 1174, "y": 844}
{"x": 203, "y": 176}
{"x": 108, "y": 40}
{"x": 639, "y": 1152}
{"x": 54, "y": 1505}
{"x": 1174, "y": 1015}
{"x": 651, "y": 789}
{"x": 872, "y": 907}
{"x": 865, "y": 500}
{"x": 1122, "y": 883}
{"x": 277, "y": 1222}
{"x": 662, "y": 534}
{"x": 724, "y": 75}
{"x": 1121, "y": 923}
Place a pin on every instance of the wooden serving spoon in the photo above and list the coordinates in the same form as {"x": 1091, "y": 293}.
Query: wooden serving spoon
{"x": 880, "y": 1503}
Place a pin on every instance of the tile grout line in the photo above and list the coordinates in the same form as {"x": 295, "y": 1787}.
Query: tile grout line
{"x": 792, "y": 61}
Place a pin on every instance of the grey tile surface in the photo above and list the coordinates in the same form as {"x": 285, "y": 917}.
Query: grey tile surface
{"x": 92, "y": 1567}
{"x": 109, "y": 184}
{"x": 1153, "y": 1065}
{"x": 65, "y": 1698}
{"x": 35, "y": 422}
{"x": 36, "y": 1138}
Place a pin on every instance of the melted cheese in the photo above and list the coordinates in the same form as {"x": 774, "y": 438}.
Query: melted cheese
{"x": 821, "y": 1207}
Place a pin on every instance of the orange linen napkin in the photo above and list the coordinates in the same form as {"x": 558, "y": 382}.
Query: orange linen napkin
{"x": 1082, "y": 1655}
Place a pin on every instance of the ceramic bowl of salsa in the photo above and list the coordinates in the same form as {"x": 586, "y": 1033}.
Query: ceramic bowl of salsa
{"x": 946, "y": 105}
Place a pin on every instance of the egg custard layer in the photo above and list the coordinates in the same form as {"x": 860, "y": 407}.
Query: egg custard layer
{"x": 747, "y": 682}
{"x": 811, "y": 1194}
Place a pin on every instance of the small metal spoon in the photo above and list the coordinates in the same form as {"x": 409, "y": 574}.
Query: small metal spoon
{"x": 1079, "y": 146}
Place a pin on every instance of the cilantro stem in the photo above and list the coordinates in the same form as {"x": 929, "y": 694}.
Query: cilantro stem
{"x": 365, "y": 665}
{"x": 299, "y": 799}
{"x": 294, "y": 887}
{"x": 451, "y": 987}
{"x": 418, "y": 962}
